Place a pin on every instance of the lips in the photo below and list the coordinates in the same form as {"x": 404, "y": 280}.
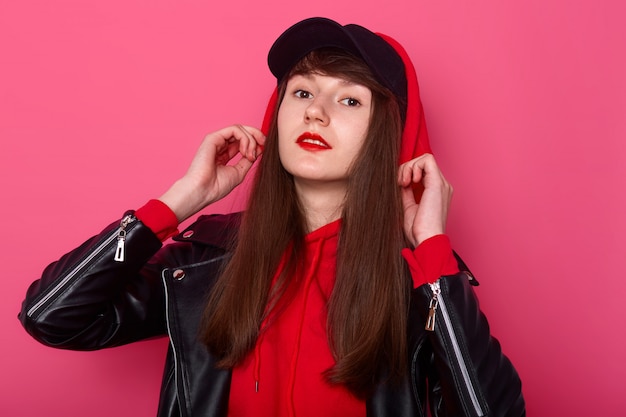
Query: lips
{"x": 313, "y": 142}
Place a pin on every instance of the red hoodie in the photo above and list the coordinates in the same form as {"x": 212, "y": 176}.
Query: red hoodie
{"x": 292, "y": 352}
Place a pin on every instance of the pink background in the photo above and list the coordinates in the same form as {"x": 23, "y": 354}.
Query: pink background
{"x": 102, "y": 105}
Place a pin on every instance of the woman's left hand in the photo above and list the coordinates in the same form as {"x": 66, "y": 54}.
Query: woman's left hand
{"x": 426, "y": 218}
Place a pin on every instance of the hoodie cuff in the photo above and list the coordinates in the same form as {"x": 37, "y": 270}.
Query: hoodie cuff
{"x": 432, "y": 259}
{"x": 159, "y": 218}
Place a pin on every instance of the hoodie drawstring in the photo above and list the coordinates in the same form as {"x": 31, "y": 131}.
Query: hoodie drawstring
{"x": 311, "y": 272}
{"x": 259, "y": 342}
{"x": 294, "y": 358}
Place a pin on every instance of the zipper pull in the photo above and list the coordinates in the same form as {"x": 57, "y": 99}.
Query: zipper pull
{"x": 121, "y": 239}
{"x": 119, "y": 251}
{"x": 430, "y": 321}
{"x": 432, "y": 307}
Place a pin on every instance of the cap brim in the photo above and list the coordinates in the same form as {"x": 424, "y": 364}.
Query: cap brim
{"x": 304, "y": 37}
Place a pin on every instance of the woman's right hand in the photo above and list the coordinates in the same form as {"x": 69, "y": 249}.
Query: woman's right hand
{"x": 209, "y": 178}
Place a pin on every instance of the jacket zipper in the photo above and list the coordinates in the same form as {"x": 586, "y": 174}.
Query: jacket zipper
{"x": 169, "y": 332}
{"x": 437, "y": 302}
{"x": 118, "y": 234}
{"x": 183, "y": 405}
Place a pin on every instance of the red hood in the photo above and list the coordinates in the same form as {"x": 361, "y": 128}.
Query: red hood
{"x": 414, "y": 136}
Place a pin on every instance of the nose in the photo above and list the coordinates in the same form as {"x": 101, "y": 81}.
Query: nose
{"x": 316, "y": 112}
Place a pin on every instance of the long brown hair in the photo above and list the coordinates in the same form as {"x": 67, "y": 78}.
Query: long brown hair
{"x": 368, "y": 306}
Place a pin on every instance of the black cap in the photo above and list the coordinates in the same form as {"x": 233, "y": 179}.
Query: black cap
{"x": 318, "y": 32}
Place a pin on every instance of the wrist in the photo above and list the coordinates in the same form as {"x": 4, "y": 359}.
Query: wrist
{"x": 423, "y": 238}
{"x": 183, "y": 200}
{"x": 424, "y": 235}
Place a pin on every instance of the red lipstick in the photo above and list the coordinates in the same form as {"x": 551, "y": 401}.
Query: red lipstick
{"x": 312, "y": 142}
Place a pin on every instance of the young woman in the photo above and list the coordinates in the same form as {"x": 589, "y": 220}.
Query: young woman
{"x": 335, "y": 293}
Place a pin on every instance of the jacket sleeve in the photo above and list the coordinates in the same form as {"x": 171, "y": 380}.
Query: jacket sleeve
{"x": 105, "y": 293}
{"x": 469, "y": 376}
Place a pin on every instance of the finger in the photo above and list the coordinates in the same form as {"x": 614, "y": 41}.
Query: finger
{"x": 428, "y": 171}
{"x": 410, "y": 172}
{"x": 251, "y": 146}
{"x": 405, "y": 174}
{"x": 242, "y": 166}
{"x": 418, "y": 172}
{"x": 240, "y": 137}
{"x": 233, "y": 140}
{"x": 258, "y": 139}
{"x": 408, "y": 198}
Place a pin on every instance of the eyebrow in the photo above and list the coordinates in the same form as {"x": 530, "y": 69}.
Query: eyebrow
{"x": 310, "y": 75}
{"x": 348, "y": 82}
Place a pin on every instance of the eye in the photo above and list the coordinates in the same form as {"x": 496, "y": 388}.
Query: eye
{"x": 351, "y": 102}
{"x": 302, "y": 94}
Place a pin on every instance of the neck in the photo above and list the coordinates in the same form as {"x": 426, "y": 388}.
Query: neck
{"x": 322, "y": 202}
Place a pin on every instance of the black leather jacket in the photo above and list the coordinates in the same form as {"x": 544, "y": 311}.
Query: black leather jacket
{"x": 88, "y": 300}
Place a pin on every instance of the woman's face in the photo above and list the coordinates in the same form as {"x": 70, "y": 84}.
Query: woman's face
{"x": 322, "y": 124}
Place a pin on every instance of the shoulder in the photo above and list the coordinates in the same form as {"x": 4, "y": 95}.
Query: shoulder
{"x": 218, "y": 230}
